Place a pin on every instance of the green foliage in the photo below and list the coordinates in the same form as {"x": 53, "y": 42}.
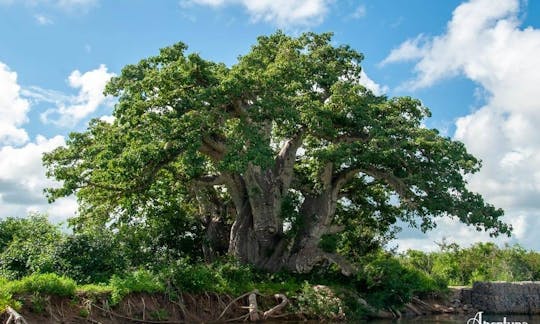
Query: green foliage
{"x": 27, "y": 245}
{"x": 167, "y": 234}
{"x": 48, "y": 284}
{"x": 480, "y": 262}
{"x": 386, "y": 282}
{"x": 6, "y": 296}
{"x": 137, "y": 281}
{"x": 92, "y": 256}
{"x": 37, "y": 303}
{"x": 191, "y": 277}
{"x": 222, "y": 277}
{"x": 320, "y": 302}
{"x": 94, "y": 290}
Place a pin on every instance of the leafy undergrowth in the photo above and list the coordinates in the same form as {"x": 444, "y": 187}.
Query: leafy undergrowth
{"x": 219, "y": 291}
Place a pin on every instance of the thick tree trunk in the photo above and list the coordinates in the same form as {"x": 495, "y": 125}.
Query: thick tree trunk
{"x": 317, "y": 212}
{"x": 257, "y": 233}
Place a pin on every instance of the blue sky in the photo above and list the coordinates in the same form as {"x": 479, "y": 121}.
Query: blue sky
{"x": 475, "y": 63}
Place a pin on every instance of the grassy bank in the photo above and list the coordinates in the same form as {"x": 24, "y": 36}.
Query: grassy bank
{"x": 189, "y": 290}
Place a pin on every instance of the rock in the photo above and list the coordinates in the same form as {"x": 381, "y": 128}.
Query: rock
{"x": 466, "y": 295}
{"x": 506, "y": 297}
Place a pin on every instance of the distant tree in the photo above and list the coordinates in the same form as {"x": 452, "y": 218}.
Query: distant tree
{"x": 273, "y": 154}
{"x": 27, "y": 245}
{"x": 90, "y": 256}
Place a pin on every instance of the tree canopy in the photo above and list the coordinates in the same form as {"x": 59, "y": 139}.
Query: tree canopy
{"x": 268, "y": 157}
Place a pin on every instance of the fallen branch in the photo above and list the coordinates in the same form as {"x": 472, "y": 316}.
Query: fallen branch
{"x": 14, "y": 317}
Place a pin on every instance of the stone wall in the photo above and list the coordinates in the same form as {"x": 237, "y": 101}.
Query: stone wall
{"x": 504, "y": 297}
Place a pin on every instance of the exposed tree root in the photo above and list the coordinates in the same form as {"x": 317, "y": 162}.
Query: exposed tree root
{"x": 136, "y": 320}
{"x": 14, "y": 317}
{"x": 232, "y": 302}
{"x": 253, "y": 308}
{"x": 278, "y": 308}
{"x": 157, "y": 309}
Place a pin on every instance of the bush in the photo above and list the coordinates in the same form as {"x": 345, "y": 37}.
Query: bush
{"x": 191, "y": 278}
{"x": 27, "y": 246}
{"x": 387, "y": 282}
{"x": 90, "y": 257}
{"x": 48, "y": 283}
{"x": 479, "y": 262}
{"x": 135, "y": 282}
{"x": 319, "y": 302}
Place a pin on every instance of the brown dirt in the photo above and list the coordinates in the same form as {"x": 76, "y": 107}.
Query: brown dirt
{"x": 142, "y": 308}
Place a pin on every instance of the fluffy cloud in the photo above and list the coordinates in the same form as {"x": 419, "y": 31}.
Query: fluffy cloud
{"x": 22, "y": 179}
{"x": 485, "y": 42}
{"x": 70, "y": 110}
{"x": 283, "y": 13}
{"x": 372, "y": 85}
{"x": 22, "y": 176}
{"x": 13, "y": 108}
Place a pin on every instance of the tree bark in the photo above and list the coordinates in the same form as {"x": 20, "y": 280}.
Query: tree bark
{"x": 257, "y": 233}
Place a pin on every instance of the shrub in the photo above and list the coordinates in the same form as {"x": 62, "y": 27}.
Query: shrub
{"x": 27, "y": 246}
{"x": 191, "y": 278}
{"x": 48, "y": 283}
{"x": 320, "y": 302}
{"x": 137, "y": 281}
{"x": 90, "y": 257}
{"x": 386, "y": 282}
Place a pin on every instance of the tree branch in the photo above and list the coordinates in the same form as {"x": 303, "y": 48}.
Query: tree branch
{"x": 212, "y": 148}
{"x": 346, "y": 267}
{"x": 340, "y": 179}
{"x": 399, "y": 186}
{"x": 284, "y": 162}
{"x": 326, "y": 175}
{"x": 210, "y": 180}
{"x": 334, "y": 229}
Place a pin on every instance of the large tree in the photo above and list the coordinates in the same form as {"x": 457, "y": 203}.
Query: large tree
{"x": 286, "y": 146}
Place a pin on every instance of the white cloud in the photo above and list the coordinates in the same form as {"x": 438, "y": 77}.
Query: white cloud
{"x": 70, "y": 110}
{"x": 43, "y": 20}
{"x": 485, "y": 42}
{"x": 22, "y": 175}
{"x": 283, "y": 13}
{"x": 107, "y": 118}
{"x": 372, "y": 85}
{"x": 409, "y": 50}
{"x": 22, "y": 180}
{"x": 13, "y": 108}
